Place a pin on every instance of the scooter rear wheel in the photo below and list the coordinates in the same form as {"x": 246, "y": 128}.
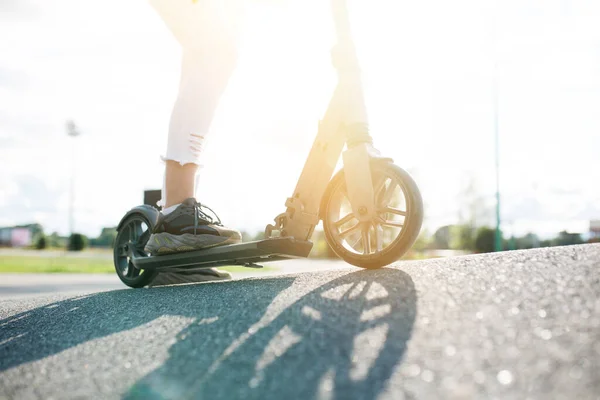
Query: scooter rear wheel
{"x": 133, "y": 235}
{"x": 386, "y": 238}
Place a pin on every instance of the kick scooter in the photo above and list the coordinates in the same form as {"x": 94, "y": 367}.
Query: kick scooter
{"x": 371, "y": 209}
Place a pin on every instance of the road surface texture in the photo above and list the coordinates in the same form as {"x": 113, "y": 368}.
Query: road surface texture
{"x": 522, "y": 325}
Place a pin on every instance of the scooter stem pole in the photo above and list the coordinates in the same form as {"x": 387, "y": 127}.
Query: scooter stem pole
{"x": 341, "y": 19}
{"x": 345, "y": 60}
{"x": 345, "y": 121}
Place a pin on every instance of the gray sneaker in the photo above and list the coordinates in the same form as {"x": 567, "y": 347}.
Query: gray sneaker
{"x": 189, "y": 227}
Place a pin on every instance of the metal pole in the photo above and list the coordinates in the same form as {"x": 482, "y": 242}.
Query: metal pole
{"x": 73, "y": 132}
{"x": 72, "y": 190}
{"x": 498, "y": 236}
{"x": 498, "y": 241}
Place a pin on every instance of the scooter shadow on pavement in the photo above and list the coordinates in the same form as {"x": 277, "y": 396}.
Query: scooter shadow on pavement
{"x": 342, "y": 339}
{"x": 53, "y": 328}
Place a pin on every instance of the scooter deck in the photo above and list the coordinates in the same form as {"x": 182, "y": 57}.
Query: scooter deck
{"x": 235, "y": 254}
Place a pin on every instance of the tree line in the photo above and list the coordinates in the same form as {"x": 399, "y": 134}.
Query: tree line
{"x": 73, "y": 242}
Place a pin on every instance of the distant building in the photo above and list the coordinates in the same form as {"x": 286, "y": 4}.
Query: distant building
{"x": 595, "y": 228}
{"x": 5, "y": 236}
{"x": 18, "y": 236}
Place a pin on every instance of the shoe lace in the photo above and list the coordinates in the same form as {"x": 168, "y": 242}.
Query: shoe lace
{"x": 200, "y": 213}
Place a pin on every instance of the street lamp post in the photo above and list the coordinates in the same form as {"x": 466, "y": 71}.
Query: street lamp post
{"x": 498, "y": 237}
{"x": 73, "y": 132}
{"x": 495, "y": 105}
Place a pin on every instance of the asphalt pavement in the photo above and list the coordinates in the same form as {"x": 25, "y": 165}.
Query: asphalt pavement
{"x": 522, "y": 325}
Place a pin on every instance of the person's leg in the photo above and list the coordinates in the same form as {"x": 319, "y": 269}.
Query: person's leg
{"x": 179, "y": 182}
{"x": 208, "y": 33}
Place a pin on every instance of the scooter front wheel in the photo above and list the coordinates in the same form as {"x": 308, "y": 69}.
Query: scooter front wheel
{"x": 393, "y": 230}
{"x": 133, "y": 235}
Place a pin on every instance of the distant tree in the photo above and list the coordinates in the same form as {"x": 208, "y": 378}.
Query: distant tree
{"x": 472, "y": 213}
{"x": 108, "y": 236}
{"x": 510, "y": 243}
{"x": 54, "y": 240}
{"x": 41, "y": 242}
{"x": 441, "y": 237}
{"x": 565, "y": 238}
{"x": 484, "y": 240}
{"x": 77, "y": 242}
{"x": 36, "y": 231}
{"x": 106, "y": 239}
{"x": 529, "y": 241}
{"x": 463, "y": 237}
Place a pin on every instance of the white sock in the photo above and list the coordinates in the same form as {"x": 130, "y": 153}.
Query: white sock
{"x": 169, "y": 210}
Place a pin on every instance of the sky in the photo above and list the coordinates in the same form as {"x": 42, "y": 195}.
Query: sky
{"x": 429, "y": 69}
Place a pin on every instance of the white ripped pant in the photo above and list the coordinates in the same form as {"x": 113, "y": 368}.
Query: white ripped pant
{"x": 208, "y": 32}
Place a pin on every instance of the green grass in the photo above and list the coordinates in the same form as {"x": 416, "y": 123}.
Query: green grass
{"x": 55, "y": 264}
{"x": 24, "y": 264}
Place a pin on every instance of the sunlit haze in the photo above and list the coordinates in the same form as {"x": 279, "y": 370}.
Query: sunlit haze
{"x": 113, "y": 67}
